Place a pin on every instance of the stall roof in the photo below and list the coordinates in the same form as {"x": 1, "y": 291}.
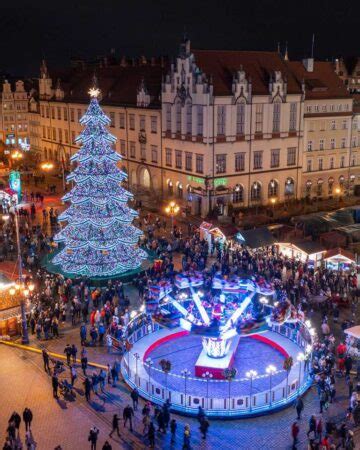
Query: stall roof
{"x": 256, "y": 238}
{"x": 309, "y": 247}
{"x": 353, "y": 331}
{"x": 340, "y": 252}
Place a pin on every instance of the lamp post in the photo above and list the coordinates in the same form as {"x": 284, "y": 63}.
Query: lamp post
{"x": 150, "y": 364}
{"x": 185, "y": 373}
{"x": 208, "y": 377}
{"x": 229, "y": 374}
{"x": 300, "y": 358}
{"x": 47, "y": 167}
{"x": 16, "y": 156}
{"x": 270, "y": 370}
{"x": 172, "y": 209}
{"x": 20, "y": 287}
{"x": 251, "y": 375}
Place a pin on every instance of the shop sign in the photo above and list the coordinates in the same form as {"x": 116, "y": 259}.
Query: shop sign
{"x": 195, "y": 179}
{"x": 220, "y": 182}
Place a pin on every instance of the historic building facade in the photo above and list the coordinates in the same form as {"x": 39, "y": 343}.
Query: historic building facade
{"x": 348, "y": 70}
{"x": 214, "y": 129}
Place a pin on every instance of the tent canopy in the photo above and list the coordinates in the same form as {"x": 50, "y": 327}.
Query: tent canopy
{"x": 353, "y": 331}
{"x": 256, "y": 238}
{"x": 340, "y": 255}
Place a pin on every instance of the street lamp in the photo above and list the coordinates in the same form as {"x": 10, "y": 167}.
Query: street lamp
{"x": 251, "y": 375}
{"x": 270, "y": 370}
{"x": 172, "y": 209}
{"x": 16, "y": 155}
{"x": 208, "y": 377}
{"x": 47, "y": 166}
{"x": 185, "y": 373}
{"x": 300, "y": 358}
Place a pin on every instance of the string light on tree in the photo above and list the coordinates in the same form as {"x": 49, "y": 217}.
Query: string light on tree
{"x": 99, "y": 237}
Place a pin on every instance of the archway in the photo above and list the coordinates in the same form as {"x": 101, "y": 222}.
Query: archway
{"x": 145, "y": 178}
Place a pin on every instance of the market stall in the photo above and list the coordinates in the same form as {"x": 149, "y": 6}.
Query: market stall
{"x": 339, "y": 259}
{"x": 255, "y": 238}
{"x": 305, "y": 251}
{"x": 353, "y": 341}
{"x": 217, "y": 234}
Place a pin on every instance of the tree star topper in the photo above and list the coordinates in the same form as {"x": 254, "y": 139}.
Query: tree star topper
{"x": 94, "y": 92}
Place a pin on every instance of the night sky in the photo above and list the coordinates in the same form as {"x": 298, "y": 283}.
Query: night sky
{"x": 58, "y": 29}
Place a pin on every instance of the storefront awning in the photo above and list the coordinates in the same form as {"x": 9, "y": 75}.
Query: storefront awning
{"x": 256, "y": 238}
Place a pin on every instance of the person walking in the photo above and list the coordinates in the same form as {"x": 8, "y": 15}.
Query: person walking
{"x": 299, "y": 406}
{"x": 151, "y": 435}
{"x": 115, "y": 425}
{"x": 294, "y": 434}
{"x": 68, "y": 351}
{"x": 73, "y": 375}
{"x": 46, "y": 359}
{"x": 173, "y": 427}
{"x": 84, "y": 364}
{"x": 27, "y": 418}
{"x": 186, "y": 438}
{"x": 135, "y": 398}
{"x": 55, "y": 385}
{"x": 204, "y": 426}
{"x": 128, "y": 414}
{"x": 312, "y": 426}
{"x": 74, "y": 351}
{"x": 87, "y": 386}
{"x": 93, "y": 437}
{"x": 106, "y": 446}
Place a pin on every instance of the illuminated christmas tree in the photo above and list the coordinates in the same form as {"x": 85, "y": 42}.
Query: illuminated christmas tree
{"x": 99, "y": 237}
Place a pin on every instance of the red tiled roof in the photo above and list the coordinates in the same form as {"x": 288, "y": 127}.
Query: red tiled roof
{"x": 260, "y": 66}
{"x": 321, "y": 83}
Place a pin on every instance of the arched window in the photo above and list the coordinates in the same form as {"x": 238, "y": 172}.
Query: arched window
{"x": 256, "y": 191}
{"x": 238, "y": 194}
{"x": 189, "y": 118}
{"x": 170, "y": 188}
{"x": 276, "y": 115}
{"x": 330, "y": 185}
{"x": 178, "y": 116}
{"x": 273, "y": 189}
{"x": 342, "y": 181}
{"x": 308, "y": 187}
{"x": 289, "y": 186}
{"x": 319, "y": 189}
{"x": 45, "y": 153}
{"x": 180, "y": 190}
{"x": 50, "y": 154}
{"x": 240, "y": 117}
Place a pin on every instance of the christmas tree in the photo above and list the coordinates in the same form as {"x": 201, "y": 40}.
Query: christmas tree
{"x": 99, "y": 237}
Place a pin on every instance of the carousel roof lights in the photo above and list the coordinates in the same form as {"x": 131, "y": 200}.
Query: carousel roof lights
{"x": 300, "y": 357}
{"x": 251, "y": 374}
{"x": 271, "y": 369}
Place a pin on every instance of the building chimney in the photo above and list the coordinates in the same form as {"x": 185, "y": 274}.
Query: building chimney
{"x": 308, "y": 64}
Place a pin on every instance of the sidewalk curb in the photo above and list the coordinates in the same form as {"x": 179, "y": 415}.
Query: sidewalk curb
{"x": 55, "y": 355}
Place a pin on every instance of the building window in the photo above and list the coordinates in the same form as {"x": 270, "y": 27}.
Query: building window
{"x": 342, "y": 162}
{"x": 309, "y": 165}
{"x": 258, "y": 159}
{"x": 168, "y": 117}
{"x": 42, "y": 112}
{"x": 221, "y": 120}
{"x": 258, "y": 118}
{"x": 143, "y": 151}
{"x": 168, "y": 157}
{"x": 343, "y": 142}
{"x": 289, "y": 187}
{"x": 239, "y": 162}
{"x": 72, "y": 115}
{"x": 321, "y": 144}
{"x": 333, "y": 125}
{"x": 353, "y": 160}
{"x": 291, "y": 156}
{"x": 132, "y": 121}
{"x": 132, "y": 149}
{"x": 255, "y": 192}
{"x": 310, "y": 146}
{"x": 54, "y": 134}
{"x": 331, "y": 163}
{"x": 78, "y": 115}
{"x": 154, "y": 154}
{"x": 320, "y": 162}
{"x": 221, "y": 163}
{"x": 273, "y": 189}
{"x": 293, "y": 116}
{"x": 341, "y": 181}
{"x": 240, "y": 118}
{"x": 73, "y": 137}
{"x": 142, "y": 123}
{"x": 320, "y": 183}
{"x": 199, "y": 164}
{"x": 275, "y": 158}
{"x": 178, "y": 159}
{"x": 66, "y": 137}
{"x": 200, "y": 120}
{"x": 332, "y": 143}
{"x": 344, "y": 124}
{"x": 238, "y": 194}
{"x": 180, "y": 191}
{"x": 44, "y": 132}
{"x": 188, "y": 161}
{"x": 330, "y": 185}
{"x": 65, "y": 114}
{"x": 276, "y": 116}
{"x": 112, "y": 119}
{"x": 122, "y": 120}
{"x": 178, "y": 117}
{"x": 153, "y": 122}
{"x": 189, "y": 118}
{"x": 60, "y": 134}
{"x": 52, "y": 112}
{"x": 58, "y": 113}
{"x": 122, "y": 147}
{"x": 170, "y": 188}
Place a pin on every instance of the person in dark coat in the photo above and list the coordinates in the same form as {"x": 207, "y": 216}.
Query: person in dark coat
{"x": 115, "y": 425}
{"x": 27, "y": 418}
{"x": 74, "y": 351}
{"x": 151, "y": 435}
{"x": 68, "y": 352}
{"x": 135, "y": 398}
{"x": 173, "y": 427}
{"x": 15, "y": 417}
{"x": 84, "y": 363}
{"x": 106, "y": 446}
{"x": 299, "y": 406}
{"x": 87, "y": 386}
{"x": 55, "y": 385}
{"x": 204, "y": 426}
{"x": 128, "y": 414}
{"x": 161, "y": 422}
{"x": 93, "y": 437}
{"x": 46, "y": 358}
{"x": 348, "y": 364}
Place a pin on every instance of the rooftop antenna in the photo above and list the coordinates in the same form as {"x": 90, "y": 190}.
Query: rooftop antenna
{"x": 312, "y": 45}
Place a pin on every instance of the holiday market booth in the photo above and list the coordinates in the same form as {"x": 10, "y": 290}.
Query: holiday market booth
{"x": 353, "y": 341}
{"x": 305, "y": 251}
{"x": 255, "y": 238}
{"x": 217, "y": 234}
{"x": 339, "y": 259}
